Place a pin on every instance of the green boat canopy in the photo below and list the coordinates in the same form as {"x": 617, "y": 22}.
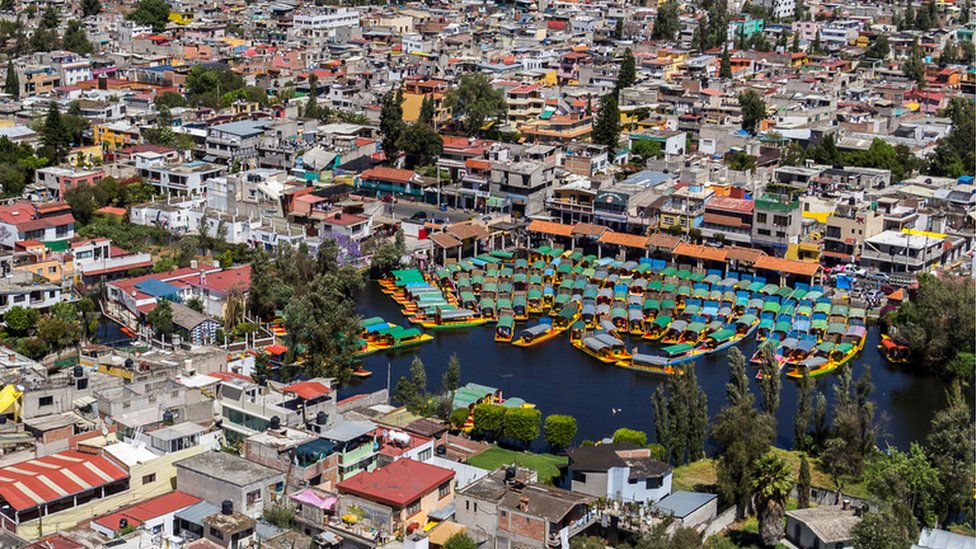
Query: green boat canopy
{"x": 680, "y": 348}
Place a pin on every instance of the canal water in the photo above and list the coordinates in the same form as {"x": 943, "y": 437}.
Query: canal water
{"x": 559, "y": 379}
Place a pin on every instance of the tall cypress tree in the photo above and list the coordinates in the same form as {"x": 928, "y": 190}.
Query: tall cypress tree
{"x": 427, "y": 112}
{"x": 606, "y": 130}
{"x": 12, "y": 84}
{"x": 628, "y": 71}
{"x": 725, "y": 68}
{"x": 391, "y": 123}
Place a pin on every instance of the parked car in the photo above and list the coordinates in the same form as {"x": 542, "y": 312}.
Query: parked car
{"x": 419, "y": 216}
{"x": 880, "y": 277}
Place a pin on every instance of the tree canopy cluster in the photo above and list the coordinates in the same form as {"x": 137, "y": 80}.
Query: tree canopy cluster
{"x": 65, "y": 326}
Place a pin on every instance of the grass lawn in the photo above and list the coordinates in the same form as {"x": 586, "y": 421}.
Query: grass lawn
{"x": 546, "y": 465}
{"x": 702, "y": 473}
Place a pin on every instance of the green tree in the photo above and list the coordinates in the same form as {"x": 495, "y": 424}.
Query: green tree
{"x": 771, "y": 486}
{"x": 54, "y": 133}
{"x": 475, "y": 102}
{"x": 955, "y": 155}
{"x": 803, "y": 484}
{"x": 742, "y": 435}
{"x": 426, "y": 116}
{"x": 914, "y": 67}
{"x": 489, "y": 419}
{"x": 681, "y": 417}
{"x": 154, "y": 13}
{"x": 630, "y": 435}
{"x": 420, "y": 144}
{"x": 968, "y": 54}
{"x": 606, "y": 129}
{"x": 880, "y": 48}
{"x": 21, "y": 320}
{"x": 90, "y": 8}
{"x": 523, "y": 424}
{"x": 725, "y": 65}
{"x": 881, "y": 529}
{"x": 753, "y": 110}
{"x": 826, "y": 152}
{"x": 667, "y": 23}
{"x": 412, "y": 391}
{"x": 195, "y": 303}
{"x": 908, "y": 478}
{"x": 645, "y": 149}
{"x": 804, "y": 409}
{"x": 769, "y": 385}
{"x": 460, "y": 540}
{"x": 795, "y": 44}
{"x": 82, "y": 202}
{"x": 312, "y": 109}
{"x": 459, "y": 417}
{"x": 50, "y": 18}
{"x": 391, "y": 124}
{"x": 950, "y": 446}
{"x": 452, "y": 377}
{"x": 12, "y": 84}
{"x": 161, "y": 318}
{"x": 932, "y": 324}
{"x": 560, "y": 430}
{"x": 627, "y": 75}
{"x": 57, "y": 333}
{"x": 170, "y": 99}
{"x": 75, "y": 39}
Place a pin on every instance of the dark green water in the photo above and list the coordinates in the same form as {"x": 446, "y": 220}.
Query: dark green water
{"x": 559, "y": 379}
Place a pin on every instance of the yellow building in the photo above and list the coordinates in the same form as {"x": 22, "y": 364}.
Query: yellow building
{"x": 181, "y": 17}
{"x": 115, "y": 135}
{"x": 89, "y": 155}
{"x": 47, "y": 264}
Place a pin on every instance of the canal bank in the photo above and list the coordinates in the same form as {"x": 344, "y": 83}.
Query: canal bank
{"x": 559, "y": 379}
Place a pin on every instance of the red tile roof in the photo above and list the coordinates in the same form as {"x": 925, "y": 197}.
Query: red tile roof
{"x": 700, "y": 252}
{"x": 148, "y": 510}
{"x": 307, "y": 389}
{"x": 624, "y": 239}
{"x": 382, "y": 173}
{"x": 790, "y": 266}
{"x": 37, "y": 481}
{"x": 226, "y": 280}
{"x": 57, "y": 541}
{"x": 550, "y": 228}
{"x": 398, "y": 484}
{"x": 727, "y": 203}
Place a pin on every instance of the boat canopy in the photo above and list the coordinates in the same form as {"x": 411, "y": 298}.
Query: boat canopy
{"x": 721, "y": 336}
{"x": 535, "y": 331}
{"x": 836, "y": 328}
{"x": 844, "y": 348}
{"x": 594, "y": 344}
{"x": 748, "y": 320}
{"x": 608, "y": 339}
{"x": 680, "y": 348}
{"x": 856, "y": 331}
{"x": 678, "y": 325}
{"x": 366, "y": 322}
{"x": 695, "y": 327}
{"x": 662, "y": 321}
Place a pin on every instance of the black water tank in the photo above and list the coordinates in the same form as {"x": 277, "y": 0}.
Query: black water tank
{"x": 275, "y": 422}
{"x": 510, "y": 472}
{"x": 262, "y": 380}
{"x": 129, "y": 363}
{"x": 81, "y": 383}
{"x": 3, "y": 419}
{"x": 227, "y": 507}
{"x": 441, "y": 449}
{"x": 123, "y": 523}
{"x": 78, "y": 371}
{"x": 168, "y": 416}
{"x": 322, "y": 418}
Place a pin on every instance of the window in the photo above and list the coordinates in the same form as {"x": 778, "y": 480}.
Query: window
{"x": 149, "y": 479}
{"x": 579, "y": 476}
{"x": 654, "y": 482}
{"x": 216, "y": 533}
{"x": 444, "y": 490}
{"x": 253, "y": 497}
{"x": 781, "y": 220}
{"x": 425, "y": 455}
{"x": 46, "y": 401}
{"x": 413, "y": 508}
{"x": 761, "y": 217}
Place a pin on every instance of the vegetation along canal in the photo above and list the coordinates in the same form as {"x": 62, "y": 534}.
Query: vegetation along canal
{"x": 559, "y": 379}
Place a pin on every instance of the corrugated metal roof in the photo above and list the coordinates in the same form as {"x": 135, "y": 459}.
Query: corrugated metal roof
{"x": 37, "y": 481}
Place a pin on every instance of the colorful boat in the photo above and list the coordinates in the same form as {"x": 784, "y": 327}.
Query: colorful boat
{"x": 452, "y": 319}
{"x": 505, "y": 328}
{"x": 535, "y": 335}
{"x": 893, "y": 351}
{"x": 657, "y": 328}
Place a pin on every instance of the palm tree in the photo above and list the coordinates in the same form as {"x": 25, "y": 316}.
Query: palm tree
{"x": 771, "y": 487}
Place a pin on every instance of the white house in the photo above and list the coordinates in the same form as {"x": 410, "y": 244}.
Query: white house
{"x": 623, "y": 472}
{"x": 183, "y": 178}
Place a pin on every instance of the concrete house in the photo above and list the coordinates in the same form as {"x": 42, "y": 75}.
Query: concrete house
{"x": 622, "y": 472}
{"x": 220, "y": 476}
{"x": 398, "y": 495}
{"x": 821, "y": 527}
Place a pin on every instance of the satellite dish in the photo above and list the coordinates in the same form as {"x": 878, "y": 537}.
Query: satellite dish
{"x": 104, "y": 430}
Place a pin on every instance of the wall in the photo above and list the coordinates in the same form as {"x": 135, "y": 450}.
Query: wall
{"x": 522, "y": 529}
{"x": 620, "y": 487}
{"x": 595, "y": 485}
{"x": 216, "y": 491}
{"x": 480, "y": 516}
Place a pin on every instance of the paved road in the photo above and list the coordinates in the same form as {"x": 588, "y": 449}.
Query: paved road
{"x": 404, "y": 210}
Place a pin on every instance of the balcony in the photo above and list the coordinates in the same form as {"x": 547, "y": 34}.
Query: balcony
{"x": 567, "y": 206}
{"x": 575, "y": 527}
